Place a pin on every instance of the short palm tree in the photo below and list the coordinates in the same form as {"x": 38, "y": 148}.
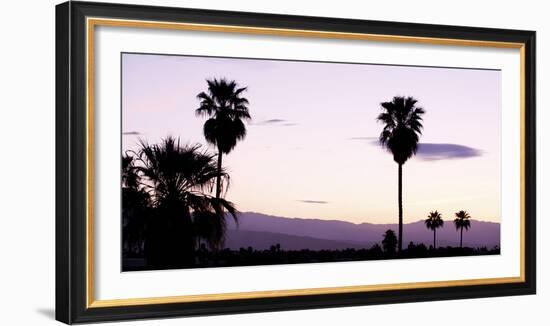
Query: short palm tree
{"x": 135, "y": 208}
{"x": 226, "y": 109}
{"x": 433, "y": 222}
{"x": 389, "y": 243}
{"x": 462, "y": 221}
{"x": 130, "y": 179}
{"x": 178, "y": 179}
{"x": 210, "y": 229}
{"x": 402, "y": 121}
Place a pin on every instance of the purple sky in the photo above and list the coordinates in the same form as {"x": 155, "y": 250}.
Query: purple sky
{"x": 311, "y": 151}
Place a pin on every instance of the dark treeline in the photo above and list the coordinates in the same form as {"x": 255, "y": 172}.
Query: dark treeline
{"x": 274, "y": 255}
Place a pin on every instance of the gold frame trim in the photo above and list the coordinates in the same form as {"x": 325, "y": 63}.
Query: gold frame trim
{"x": 92, "y": 22}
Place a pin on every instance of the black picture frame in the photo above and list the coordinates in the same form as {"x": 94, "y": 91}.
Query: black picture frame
{"x": 71, "y": 157}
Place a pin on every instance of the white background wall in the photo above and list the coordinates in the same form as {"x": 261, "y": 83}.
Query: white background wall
{"x": 27, "y": 162}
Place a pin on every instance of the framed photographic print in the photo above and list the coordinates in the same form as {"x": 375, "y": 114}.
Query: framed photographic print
{"x": 212, "y": 162}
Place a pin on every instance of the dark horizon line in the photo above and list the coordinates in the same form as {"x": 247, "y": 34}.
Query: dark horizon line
{"x": 334, "y": 220}
{"x": 305, "y": 61}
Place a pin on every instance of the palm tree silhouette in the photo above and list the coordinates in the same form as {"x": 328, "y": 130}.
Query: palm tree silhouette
{"x": 226, "y": 110}
{"x": 462, "y": 221}
{"x": 433, "y": 222}
{"x": 130, "y": 179}
{"x": 208, "y": 227}
{"x": 402, "y": 121}
{"x": 178, "y": 179}
{"x": 135, "y": 208}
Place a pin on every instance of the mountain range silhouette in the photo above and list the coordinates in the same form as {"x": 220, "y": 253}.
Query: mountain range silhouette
{"x": 260, "y": 231}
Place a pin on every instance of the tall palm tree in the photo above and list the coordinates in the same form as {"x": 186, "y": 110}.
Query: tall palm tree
{"x": 402, "y": 121}
{"x": 178, "y": 179}
{"x": 433, "y": 222}
{"x": 462, "y": 221}
{"x": 226, "y": 109}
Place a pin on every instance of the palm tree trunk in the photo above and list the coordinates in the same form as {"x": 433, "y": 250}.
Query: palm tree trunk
{"x": 400, "y": 203}
{"x": 461, "y": 237}
{"x": 434, "y": 239}
{"x": 219, "y": 176}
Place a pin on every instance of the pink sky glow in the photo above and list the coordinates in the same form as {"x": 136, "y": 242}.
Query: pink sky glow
{"x": 310, "y": 150}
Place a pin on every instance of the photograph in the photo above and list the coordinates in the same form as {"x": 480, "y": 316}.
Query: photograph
{"x": 230, "y": 162}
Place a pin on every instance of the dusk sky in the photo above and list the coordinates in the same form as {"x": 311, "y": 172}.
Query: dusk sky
{"x": 311, "y": 148}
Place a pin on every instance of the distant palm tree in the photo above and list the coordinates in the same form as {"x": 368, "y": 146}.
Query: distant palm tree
{"x": 462, "y": 221}
{"x": 402, "y": 121}
{"x": 226, "y": 109}
{"x": 433, "y": 222}
{"x": 179, "y": 179}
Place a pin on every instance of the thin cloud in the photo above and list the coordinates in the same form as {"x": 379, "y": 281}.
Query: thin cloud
{"x": 435, "y": 151}
{"x": 272, "y": 121}
{"x": 307, "y": 201}
{"x": 131, "y": 133}
{"x": 276, "y": 122}
{"x": 363, "y": 138}
{"x": 442, "y": 151}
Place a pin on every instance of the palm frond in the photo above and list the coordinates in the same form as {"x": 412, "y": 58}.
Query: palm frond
{"x": 462, "y": 220}
{"x": 402, "y": 121}
{"x": 227, "y": 109}
{"x": 434, "y": 220}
